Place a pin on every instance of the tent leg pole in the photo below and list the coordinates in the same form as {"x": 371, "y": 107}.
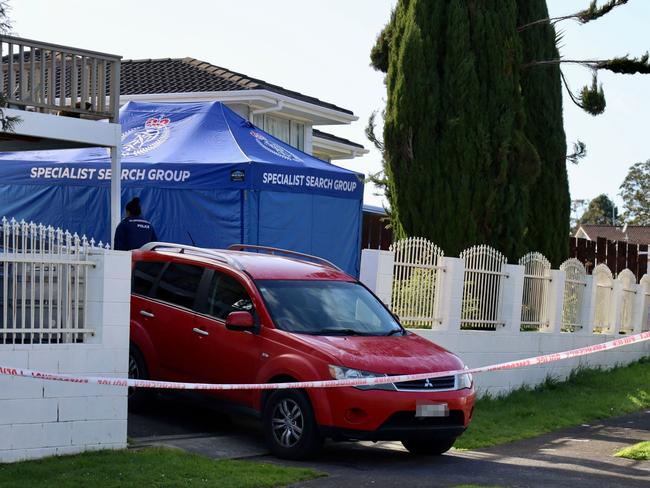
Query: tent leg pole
{"x": 116, "y": 191}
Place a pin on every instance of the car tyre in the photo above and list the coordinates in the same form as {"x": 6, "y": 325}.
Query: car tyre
{"x": 139, "y": 398}
{"x": 428, "y": 447}
{"x": 290, "y": 425}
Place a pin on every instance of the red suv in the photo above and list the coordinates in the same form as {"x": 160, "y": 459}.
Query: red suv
{"x": 250, "y": 315}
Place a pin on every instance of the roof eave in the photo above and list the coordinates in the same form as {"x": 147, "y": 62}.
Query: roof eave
{"x": 340, "y": 149}
{"x": 326, "y": 115}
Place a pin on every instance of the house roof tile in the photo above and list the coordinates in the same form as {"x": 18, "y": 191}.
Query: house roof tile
{"x": 634, "y": 234}
{"x": 167, "y": 75}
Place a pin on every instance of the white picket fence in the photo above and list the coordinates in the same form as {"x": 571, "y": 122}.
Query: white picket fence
{"x": 43, "y": 283}
{"x": 482, "y": 297}
{"x": 487, "y": 311}
{"x": 419, "y": 279}
{"x": 64, "y": 308}
{"x": 537, "y": 277}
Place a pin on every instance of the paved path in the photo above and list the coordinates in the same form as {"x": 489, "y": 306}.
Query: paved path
{"x": 571, "y": 458}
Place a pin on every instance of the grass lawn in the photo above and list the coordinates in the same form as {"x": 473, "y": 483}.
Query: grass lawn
{"x": 588, "y": 395}
{"x": 151, "y": 468}
{"x": 638, "y": 452}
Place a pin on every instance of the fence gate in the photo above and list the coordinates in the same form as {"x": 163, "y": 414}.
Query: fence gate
{"x": 604, "y": 283}
{"x": 628, "y": 282}
{"x": 481, "y": 307}
{"x": 534, "y": 304}
{"x": 574, "y": 290}
{"x": 416, "y": 282}
{"x": 42, "y": 284}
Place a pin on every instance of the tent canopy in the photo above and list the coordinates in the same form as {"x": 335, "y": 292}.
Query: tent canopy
{"x": 205, "y": 175}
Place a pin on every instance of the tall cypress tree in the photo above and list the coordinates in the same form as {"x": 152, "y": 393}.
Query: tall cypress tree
{"x": 458, "y": 162}
{"x": 541, "y": 89}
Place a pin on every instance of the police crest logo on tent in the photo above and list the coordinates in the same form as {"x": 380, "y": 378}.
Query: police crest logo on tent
{"x": 141, "y": 140}
{"x": 274, "y": 147}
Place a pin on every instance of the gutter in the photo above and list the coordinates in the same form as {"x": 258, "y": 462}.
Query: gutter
{"x": 246, "y": 96}
{"x": 276, "y": 108}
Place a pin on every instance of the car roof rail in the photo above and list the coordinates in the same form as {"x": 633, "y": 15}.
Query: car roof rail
{"x": 192, "y": 251}
{"x": 287, "y": 252}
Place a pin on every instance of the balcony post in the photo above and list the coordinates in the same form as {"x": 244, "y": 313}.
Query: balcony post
{"x": 116, "y": 190}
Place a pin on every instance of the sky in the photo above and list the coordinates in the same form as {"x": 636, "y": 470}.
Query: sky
{"x": 322, "y": 49}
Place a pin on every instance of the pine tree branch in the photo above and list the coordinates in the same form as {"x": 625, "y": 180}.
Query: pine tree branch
{"x": 583, "y": 16}
{"x": 579, "y": 152}
{"x": 573, "y": 98}
{"x": 621, "y": 65}
{"x": 587, "y": 63}
{"x": 370, "y": 132}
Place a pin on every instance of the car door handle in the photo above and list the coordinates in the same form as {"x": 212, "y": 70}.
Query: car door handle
{"x": 144, "y": 313}
{"x": 200, "y": 331}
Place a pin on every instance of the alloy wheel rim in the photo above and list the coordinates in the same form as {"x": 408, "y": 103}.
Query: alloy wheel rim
{"x": 288, "y": 423}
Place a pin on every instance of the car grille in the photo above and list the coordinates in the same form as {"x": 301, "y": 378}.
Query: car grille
{"x": 429, "y": 384}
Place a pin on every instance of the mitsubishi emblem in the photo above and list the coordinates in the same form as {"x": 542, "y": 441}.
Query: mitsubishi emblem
{"x": 427, "y": 383}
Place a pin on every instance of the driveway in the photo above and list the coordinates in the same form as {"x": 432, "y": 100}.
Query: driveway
{"x": 571, "y": 458}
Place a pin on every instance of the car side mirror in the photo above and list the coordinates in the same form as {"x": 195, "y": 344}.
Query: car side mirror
{"x": 240, "y": 320}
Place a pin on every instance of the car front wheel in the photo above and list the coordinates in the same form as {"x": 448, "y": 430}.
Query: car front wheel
{"x": 290, "y": 425}
{"x": 428, "y": 447}
{"x": 139, "y": 398}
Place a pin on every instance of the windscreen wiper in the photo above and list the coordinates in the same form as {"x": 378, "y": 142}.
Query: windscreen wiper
{"x": 343, "y": 332}
{"x": 395, "y": 332}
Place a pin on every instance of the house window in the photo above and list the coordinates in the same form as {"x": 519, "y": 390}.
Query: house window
{"x": 286, "y": 130}
{"x": 297, "y": 135}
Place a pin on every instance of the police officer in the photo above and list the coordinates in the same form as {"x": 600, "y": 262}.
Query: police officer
{"x": 134, "y": 231}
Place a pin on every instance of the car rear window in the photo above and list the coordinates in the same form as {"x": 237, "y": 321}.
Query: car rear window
{"x": 178, "y": 284}
{"x": 144, "y": 276}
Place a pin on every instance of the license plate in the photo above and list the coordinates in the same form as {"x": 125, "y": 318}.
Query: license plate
{"x": 423, "y": 409}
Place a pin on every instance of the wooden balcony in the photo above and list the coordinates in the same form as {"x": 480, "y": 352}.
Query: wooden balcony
{"x": 59, "y": 80}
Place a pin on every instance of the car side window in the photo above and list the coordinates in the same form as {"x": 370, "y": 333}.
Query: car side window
{"x": 144, "y": 276}
{"x": 179, "y": 283}
{"x": 226, "y": 295}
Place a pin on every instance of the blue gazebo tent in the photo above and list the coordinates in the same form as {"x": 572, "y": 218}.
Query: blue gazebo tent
{"x": 204, "y": 175}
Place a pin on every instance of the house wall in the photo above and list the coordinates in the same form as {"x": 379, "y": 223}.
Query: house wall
{"x": 508, "y": 343}
{"x": 42, "y": 418}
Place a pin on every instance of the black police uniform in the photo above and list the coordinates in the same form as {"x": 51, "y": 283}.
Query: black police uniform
{"x": 133, "y": 233}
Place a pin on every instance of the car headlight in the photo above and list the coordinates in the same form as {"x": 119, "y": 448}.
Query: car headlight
{"x": 464, "y": 380}
{"x": 343, "y": 373}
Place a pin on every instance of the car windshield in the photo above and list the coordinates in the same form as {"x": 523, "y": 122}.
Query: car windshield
{"x": 326, "y": 308}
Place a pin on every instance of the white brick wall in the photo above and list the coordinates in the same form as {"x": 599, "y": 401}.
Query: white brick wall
{"x": 44, "y": 418}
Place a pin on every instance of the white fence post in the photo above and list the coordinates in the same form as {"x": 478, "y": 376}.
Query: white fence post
{"x": 588, "y": 309}
{"x": 556, "y": 300}
{"x": 616, "y": 308}
{"x": 642, "y": 323}
{"x": 512, "y": 289}
{"x": 451, "y": 293}
{"x": 377, "y": 272}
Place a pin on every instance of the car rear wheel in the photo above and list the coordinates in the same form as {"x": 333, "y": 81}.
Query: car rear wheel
{"x": 290, "y": 425}
{"x": 139, "y": 398}
{"x": 428, "y": 447}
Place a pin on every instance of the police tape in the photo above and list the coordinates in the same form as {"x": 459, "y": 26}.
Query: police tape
{"x": 378, "y": 380}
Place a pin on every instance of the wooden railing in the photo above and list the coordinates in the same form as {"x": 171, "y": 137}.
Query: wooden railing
{"x": 59, "y": 80}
